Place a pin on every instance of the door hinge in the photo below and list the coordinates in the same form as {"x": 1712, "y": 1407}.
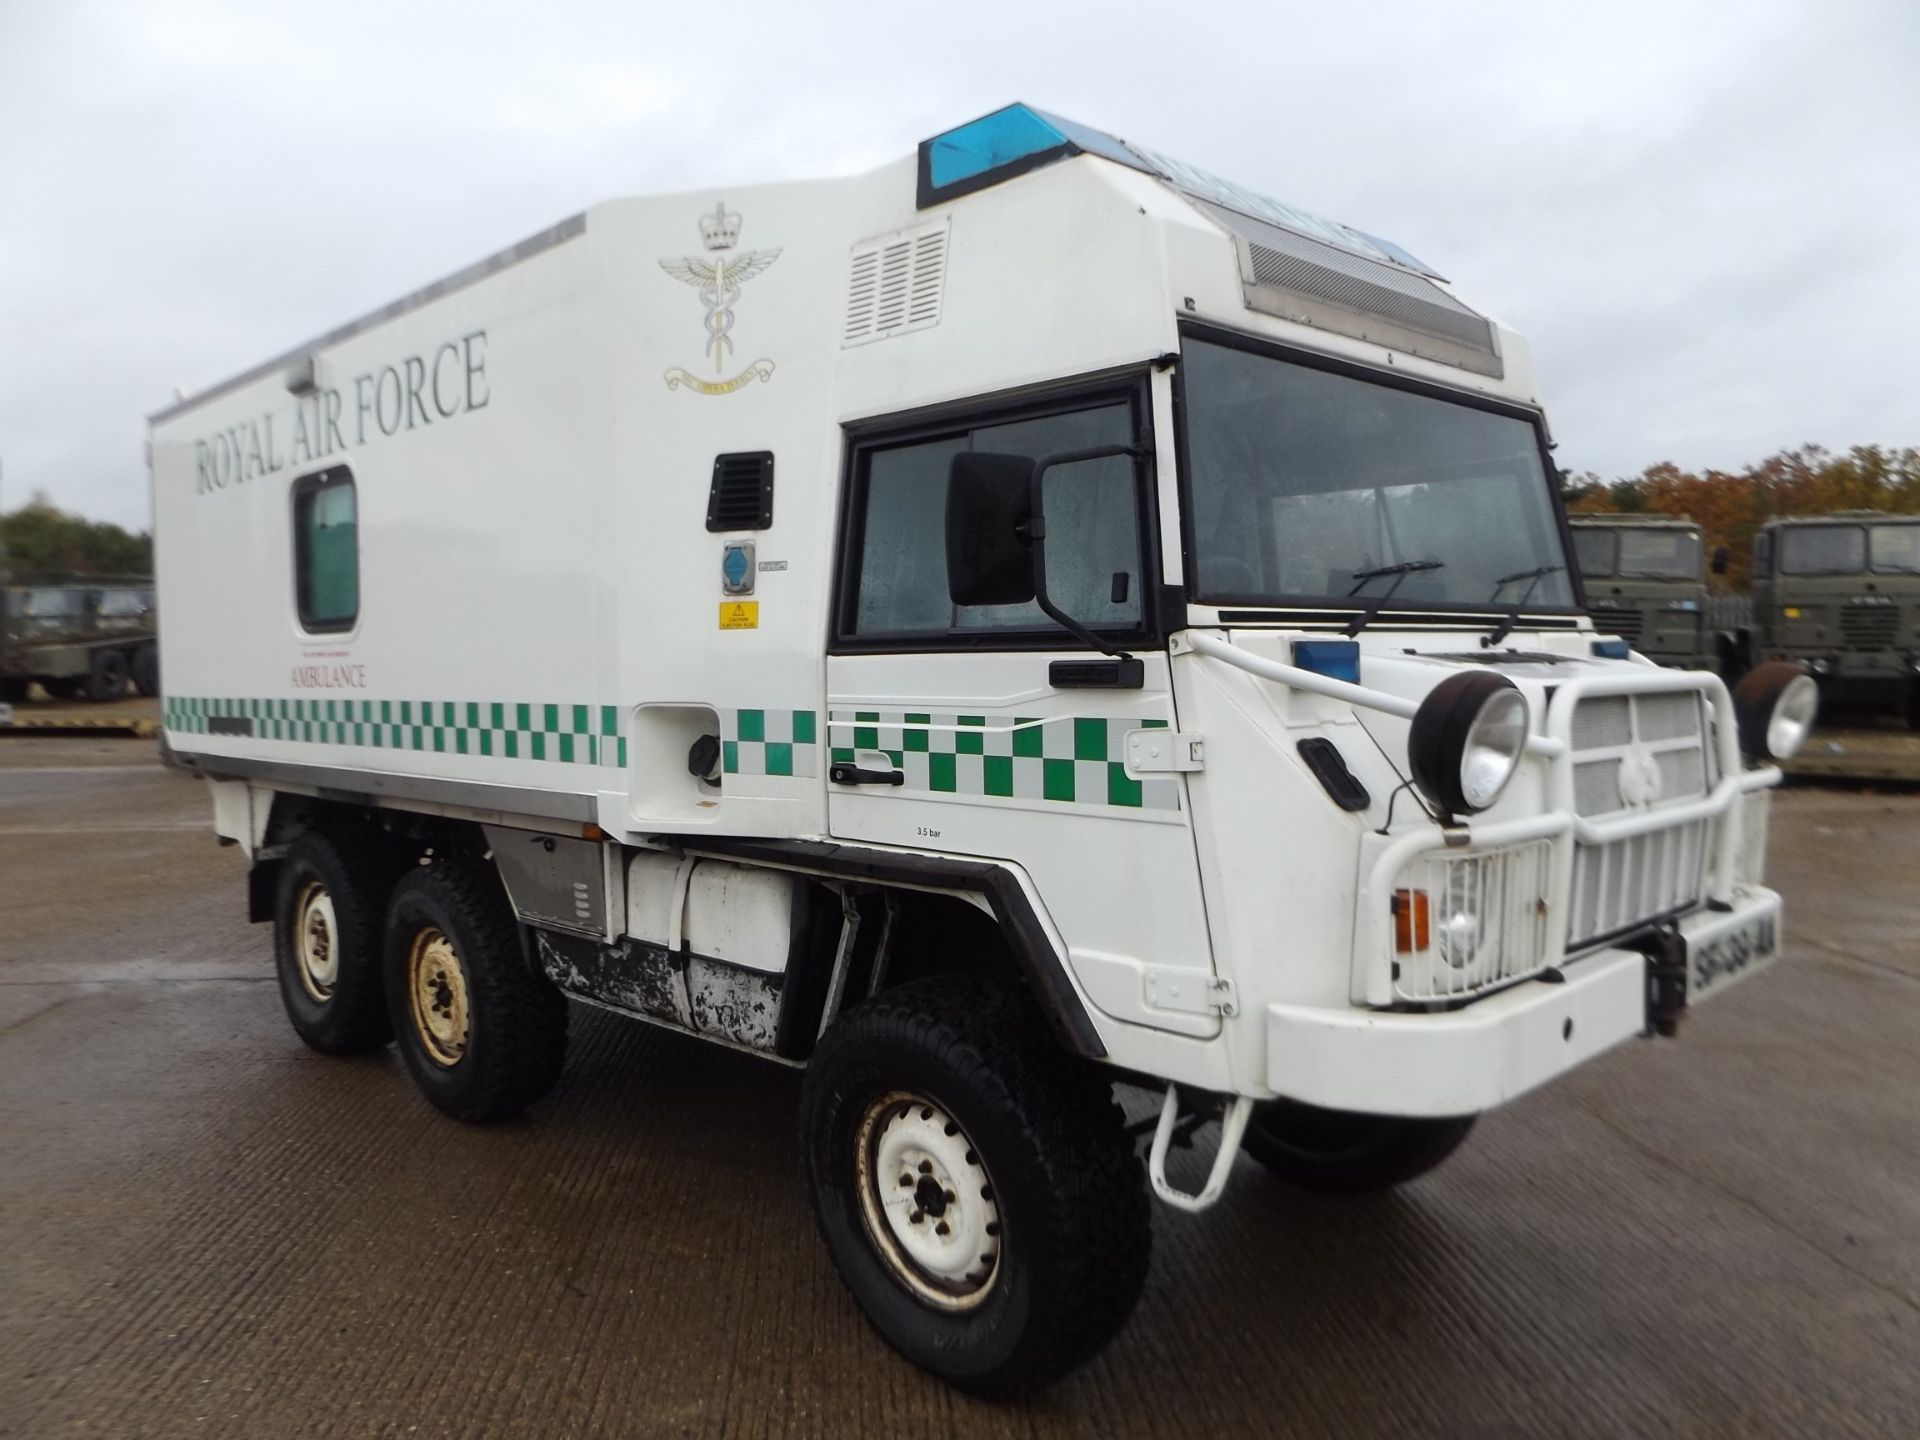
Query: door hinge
{"x": 1152, "y": 752}
{"x": 1190, "y": 991}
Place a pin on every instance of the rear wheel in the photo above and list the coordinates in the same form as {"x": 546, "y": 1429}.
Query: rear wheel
{"x": 146, "y": 671}
{"x": 107, "y": 676}
{"x": 1342, "y": 1150}
{"x": 975, "y": 1186}
{"x": 484, "y": 1035}
{"x": 326, "y": 941}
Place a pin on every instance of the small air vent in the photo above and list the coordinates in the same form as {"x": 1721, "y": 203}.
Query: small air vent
{"x": 742, "y": 493}
{"x": 895, "y": 284}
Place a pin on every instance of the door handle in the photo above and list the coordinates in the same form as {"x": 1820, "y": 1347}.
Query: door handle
{"x": 844, "y": 774}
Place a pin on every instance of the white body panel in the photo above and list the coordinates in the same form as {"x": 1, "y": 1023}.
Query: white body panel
{"x": 542, "y": 614}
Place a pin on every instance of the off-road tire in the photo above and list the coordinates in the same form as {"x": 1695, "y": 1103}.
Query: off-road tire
{"x": 146, "y": 670}
{"x": 516, "y": 1033}
{"x": 107, "y": 676}
{"x": 1340, "y": 1151}
{"x": 1069, "y": 1190}
{"x": 356, "y": 875}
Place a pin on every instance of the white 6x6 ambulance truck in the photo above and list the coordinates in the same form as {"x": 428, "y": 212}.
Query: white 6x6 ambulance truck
{"x": 1034, "y": 616}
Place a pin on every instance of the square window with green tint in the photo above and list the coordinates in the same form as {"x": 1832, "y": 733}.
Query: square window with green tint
{"x": 779, "y": 758}
{"x": 803, "y": 727}
{"x": 1029, "y": 738}
{"x": 750, "y": 724}
{"x": 941, "y": 773}
{"x": 1057, "y": 779}
{"x": 1122, "y": 788}
{"x": 1089, "y": 739}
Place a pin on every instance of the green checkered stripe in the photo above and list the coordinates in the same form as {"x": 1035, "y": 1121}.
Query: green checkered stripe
{"x": 769, "y": 742}
{"x": 1072, "y": 759}
{"x": 562, "y": 734}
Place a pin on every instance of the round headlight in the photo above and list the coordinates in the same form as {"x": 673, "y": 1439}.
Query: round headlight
{"x": 1776, "y": 705}
{"x": 1467, "y": 739}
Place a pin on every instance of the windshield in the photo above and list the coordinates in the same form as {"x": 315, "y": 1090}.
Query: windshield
{"x": 1593, "y": 549}
{"x": 1896, "y": 549}
{"x": 1660, "y": 554}
{"x": 1308, "y": 485}
{"x": 54, "y": 604}
{"x": 1823, "y": 550}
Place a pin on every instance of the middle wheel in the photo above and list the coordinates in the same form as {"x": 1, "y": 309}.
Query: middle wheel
{"x": 483, "y": 1034}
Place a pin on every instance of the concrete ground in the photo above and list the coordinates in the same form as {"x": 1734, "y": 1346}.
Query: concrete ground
{"x": 210, "y": 1230}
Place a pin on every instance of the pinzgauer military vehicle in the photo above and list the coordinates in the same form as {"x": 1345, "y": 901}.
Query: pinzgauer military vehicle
{"x": 79, "y": 637}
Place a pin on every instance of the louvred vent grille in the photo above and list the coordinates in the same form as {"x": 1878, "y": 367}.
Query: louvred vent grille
{"x": 896, "y": 285}
{"x": 742, "y": 493}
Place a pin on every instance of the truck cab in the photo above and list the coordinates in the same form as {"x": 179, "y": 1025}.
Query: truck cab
{"x": 1646, "y": 581}
{"x": 1840, "y": 594}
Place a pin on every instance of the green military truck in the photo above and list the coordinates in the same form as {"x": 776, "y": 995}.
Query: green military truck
{"x": 1841, "y": 594}
{"x": 78, "y": 637}
{"x": 1646, "y": 582}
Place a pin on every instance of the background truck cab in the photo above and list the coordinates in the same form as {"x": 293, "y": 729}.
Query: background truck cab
{"x": 1840, "y": 593}
{"x": 1646, "y": 582}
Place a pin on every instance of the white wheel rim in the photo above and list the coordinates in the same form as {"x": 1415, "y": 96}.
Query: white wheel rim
{"x": 928, "y": 1201}
{"x": 317, "y": 938}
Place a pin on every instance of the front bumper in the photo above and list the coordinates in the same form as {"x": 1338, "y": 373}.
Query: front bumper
{"x": 1463, "y": 1061}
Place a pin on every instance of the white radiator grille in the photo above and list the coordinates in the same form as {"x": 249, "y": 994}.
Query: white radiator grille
{"x": 896, "y": 285}
{"x": 1637, "y": 753}
{"x": 1620, "y": 884}
{"x": 1487, "y": 922}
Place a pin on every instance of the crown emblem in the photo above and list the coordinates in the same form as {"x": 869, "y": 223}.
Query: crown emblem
{"x": 721, "y": 229}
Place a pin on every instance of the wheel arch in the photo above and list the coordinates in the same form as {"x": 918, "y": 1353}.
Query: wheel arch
{"x": 951, "y": 916}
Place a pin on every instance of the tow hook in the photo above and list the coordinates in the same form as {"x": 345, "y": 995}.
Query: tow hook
{"x": 1666, "y": 952}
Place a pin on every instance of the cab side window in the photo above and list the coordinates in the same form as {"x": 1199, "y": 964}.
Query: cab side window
{"x": 896, "y": 561}
{"x": 326, "y": 551}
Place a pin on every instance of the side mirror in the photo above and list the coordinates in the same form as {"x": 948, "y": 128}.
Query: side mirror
{"x": 1722, "y": 557}
{"x": 989, "y": 512}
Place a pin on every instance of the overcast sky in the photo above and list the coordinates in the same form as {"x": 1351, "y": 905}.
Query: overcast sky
{"x": 1704, "y": 216}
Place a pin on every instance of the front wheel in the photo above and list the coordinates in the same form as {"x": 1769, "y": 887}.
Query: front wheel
{"x": 975, "y": 1186}
{"x": 1344, "y": 1151}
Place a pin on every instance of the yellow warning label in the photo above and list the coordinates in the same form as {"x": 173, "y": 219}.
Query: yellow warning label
{"x": 739, "y": 614}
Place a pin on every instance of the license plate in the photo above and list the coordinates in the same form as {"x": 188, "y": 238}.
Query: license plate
{"x": 1731, "y": 952}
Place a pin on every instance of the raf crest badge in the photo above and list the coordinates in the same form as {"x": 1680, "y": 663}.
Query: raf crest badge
{"x": 718, "y": 278}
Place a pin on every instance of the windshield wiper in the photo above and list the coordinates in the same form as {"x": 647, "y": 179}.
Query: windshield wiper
{"x": 1398, "y": 572}
{"x": 1533, "y": 577}
{"x": 1507, "y": 622}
